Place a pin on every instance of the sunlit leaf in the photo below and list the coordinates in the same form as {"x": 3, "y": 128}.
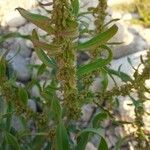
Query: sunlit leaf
{"x": 123, "y": 76}
{"x": 99, "y": 39}
{"x": 99, "y": 63}
{"x": 41, "y": 54}
{"x": 42, "y": 22}
{"x": 49, "y": 48}
{"x": 75, "y": 6}
{"x": 62, "y": 141}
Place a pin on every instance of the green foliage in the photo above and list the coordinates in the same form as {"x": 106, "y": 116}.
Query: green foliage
{"x": 54, "y": 124}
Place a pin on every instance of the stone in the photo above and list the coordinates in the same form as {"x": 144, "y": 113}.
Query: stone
{"x": 127, "y": 16}
{"x": 18, "y": 46}
{"x": 146, "y": 35}
{"x": 90, "y": 146}
{"x": 27, "y": 28}
{"x": 20, "y": 66}
{"x": 11, "y": 17}
{"x": 35, "y": 91}
{"x": 132, "y": 41}
{"x": 87, "y": 111}
{"x": 32, "y": 105}
{"x": 14, "y": 19}
{"x": 116, "y": 2}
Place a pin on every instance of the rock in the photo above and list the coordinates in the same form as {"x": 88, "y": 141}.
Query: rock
{"x": 90, "y": 146}
{"x": 17, "y": 124}
{"x": 132, "y": 42}
{"x": 146, "y": 35}
{"x": 127, "y": 16}
{"x": 32, "y": 105}
{"x": 35, "y": 91}
{"x": 20, "y": 66}
{"x": 36, "y": 61}
{"x": 116, "y": 2}
{"x": 87, "y": 111}
{"x": 27, "y": 29}
{"x": 11, "y": 17}
{"x": 14, "y": 19}
{"x": 18, "y": 46}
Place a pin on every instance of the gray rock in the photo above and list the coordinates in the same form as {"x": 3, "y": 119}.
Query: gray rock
{"x": 27, "y": 28}
{"x": 18, "y": 46}
{"x": 87, "y": 111}
{"x": 14, "y": 19}
{"x": 32, "y": 105}
{"x": 90, "y": 146}
{"x": 116, "y": 2}
{"x": 20, "y": 66}
{"x": 11, "y": 17}
{"x": 132, "y": 42}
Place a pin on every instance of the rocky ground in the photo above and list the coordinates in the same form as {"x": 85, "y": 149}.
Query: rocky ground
{"x": 135, "y": 38}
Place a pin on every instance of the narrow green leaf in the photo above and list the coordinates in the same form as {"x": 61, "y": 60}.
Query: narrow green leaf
{"x": 23, "y": 95}
{"x": 99, "y": 39}
{"x": 12, "y": 141}
{"x": 49, "y": 48}
{"x": 13, "y": 35}
{"x": 56, "y": 108}
{"x": 109, "y": 22}
{"x": 42, "y": 22}
{"x": 75, "y": 6}
{"x": 97, "y": 64}
{"x": 62, "y": 141}
{"x": 2, "y": 67}
{"x": 9, "y": 117}
{"x": 99, "y": 117}
{"x": 92, "y": 130}
{"x": 103, "y": 144}
{"x": 104, "y": 78}
{"x": 123, "y": 76}
{"x": 41, "y": 54}
{"x": 82, "y": 141}
{"x": 41, "y": 69}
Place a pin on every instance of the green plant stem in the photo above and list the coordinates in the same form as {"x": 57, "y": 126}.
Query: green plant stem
{"x": 66, "y": 28}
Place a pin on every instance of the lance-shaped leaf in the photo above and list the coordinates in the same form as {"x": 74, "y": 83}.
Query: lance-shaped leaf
{"x": 12, "y": 141}
{"x": 99, "y": 117}
{"x": 75, "y": 7}
{"x": 41, "y": 54}
{"x": 42, "y": 22}
{"x": 13, "y": 35}
{"x": 103, "y": 145}
{"x": 99, "y": 63}
{"x": 98, "y": 132}
{"x": 23, "y": 95}
{"x": 123, "y": 76}
{"x": 98, "y": 39}
{"x": 2, "y": 67}
{"x": 62, "y": 141}
{"x": 49, "y": 48}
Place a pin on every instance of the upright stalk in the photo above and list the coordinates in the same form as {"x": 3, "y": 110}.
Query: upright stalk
{"x": 66, "y": 30}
